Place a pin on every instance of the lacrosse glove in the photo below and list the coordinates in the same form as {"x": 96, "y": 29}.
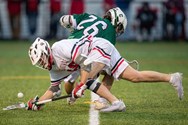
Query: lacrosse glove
{"x": 78, "y": 91}
{"x": 31, "y": 104}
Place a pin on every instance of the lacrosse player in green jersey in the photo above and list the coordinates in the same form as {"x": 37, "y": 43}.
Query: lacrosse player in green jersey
{"x": 80, "y": 25}
{"x": 114, "y": 22}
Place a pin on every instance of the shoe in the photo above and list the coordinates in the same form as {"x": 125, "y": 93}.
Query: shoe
{"x": 101, "y": 103}
{"x": 71, "y": 100}
{"x": 118, "y": 106}
{"x": 176, "y": 81}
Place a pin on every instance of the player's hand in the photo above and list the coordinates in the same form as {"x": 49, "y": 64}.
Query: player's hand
{"x": 31, "y": 104}
{"x": 78, "y": 91}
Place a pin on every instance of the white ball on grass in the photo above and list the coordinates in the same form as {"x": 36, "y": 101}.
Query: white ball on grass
{"x": 20, "y": 95}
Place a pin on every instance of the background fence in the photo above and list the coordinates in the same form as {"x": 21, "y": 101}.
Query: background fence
{"x": 130, "y": 7}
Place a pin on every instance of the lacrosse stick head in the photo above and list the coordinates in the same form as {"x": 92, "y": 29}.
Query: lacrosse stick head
{"x": 40, "y": 54}
{"x": 134, "y": 64}
{"x": 15, "y": 106}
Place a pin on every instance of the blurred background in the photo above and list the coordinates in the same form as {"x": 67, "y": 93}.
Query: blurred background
{"x": 148, "y": 20}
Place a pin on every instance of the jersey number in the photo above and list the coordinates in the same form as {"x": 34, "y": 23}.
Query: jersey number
{"x": 93, "y": 28}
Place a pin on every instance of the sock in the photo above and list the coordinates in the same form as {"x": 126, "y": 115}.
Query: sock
{"x": 115, "y": 102}
{"x": 171, "y": 79}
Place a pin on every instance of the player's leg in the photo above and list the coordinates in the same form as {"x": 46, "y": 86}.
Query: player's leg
{"x": 152, "y": 76}
{"x": 96, "y": 69}
{"x": 107, "y": 81}
{"x": 69, "y": 86}
{"x": 121, "y": 69}
{"x": 144, "y": 76}
{"x": 102, "y": 91}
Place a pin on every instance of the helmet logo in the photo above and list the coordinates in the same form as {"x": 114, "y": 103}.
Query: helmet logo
{"x": 120, "y": 15}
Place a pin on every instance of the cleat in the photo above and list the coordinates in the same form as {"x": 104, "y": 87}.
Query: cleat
{"x": 71, "y": 100}
{"x": 176, "y": 81}
{"x": 118, "y": 106}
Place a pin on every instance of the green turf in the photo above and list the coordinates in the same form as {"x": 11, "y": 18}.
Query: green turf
{"x": 147, "y": 103}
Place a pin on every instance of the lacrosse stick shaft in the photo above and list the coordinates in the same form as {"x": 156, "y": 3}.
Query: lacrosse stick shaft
{"x": 22, "y": 105}
{"x": 53, "y": 99}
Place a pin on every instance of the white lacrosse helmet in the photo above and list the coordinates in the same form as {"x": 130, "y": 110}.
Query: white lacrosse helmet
{"x": 39, "y": 53}
{"x": 118, "y": 19}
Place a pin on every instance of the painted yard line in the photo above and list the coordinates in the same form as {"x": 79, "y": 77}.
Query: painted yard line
{"x": 93, "y": 114}
{"x": 22, "y": 77}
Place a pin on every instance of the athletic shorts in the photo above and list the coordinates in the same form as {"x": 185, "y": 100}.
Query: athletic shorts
{"x": 104, "y": 52}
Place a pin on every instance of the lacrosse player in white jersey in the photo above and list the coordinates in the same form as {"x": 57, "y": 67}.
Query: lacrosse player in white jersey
{"x": 115, "y": 19}
{"x": 61, "y": 60}
{"x": 65, "y": 55}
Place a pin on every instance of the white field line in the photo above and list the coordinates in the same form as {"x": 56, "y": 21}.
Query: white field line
{"x": 93, "y": 114}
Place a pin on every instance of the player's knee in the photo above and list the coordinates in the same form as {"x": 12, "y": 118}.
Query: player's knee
{"x": 93, "y": 85}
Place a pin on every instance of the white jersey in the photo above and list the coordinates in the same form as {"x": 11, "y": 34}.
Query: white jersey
{"x": 66, "y": 53}
{"x": 63, "y": 65}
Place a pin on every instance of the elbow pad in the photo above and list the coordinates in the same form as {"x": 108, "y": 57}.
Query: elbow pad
{"x": 65, "y": 21}
{"x": 56, "y": 90}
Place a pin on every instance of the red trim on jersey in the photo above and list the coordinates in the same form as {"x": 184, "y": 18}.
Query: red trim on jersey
{"x": 117, "y": 66}
{"x": 75, "y": 53}
{"x": 101, "y": 52}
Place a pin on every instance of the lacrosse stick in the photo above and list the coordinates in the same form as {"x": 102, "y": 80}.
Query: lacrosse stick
{"x": 53, "y": 99}
{"x": 21, "y": 105}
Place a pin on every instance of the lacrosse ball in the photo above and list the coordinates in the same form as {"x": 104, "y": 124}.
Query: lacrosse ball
{"x": 20, "y": 95}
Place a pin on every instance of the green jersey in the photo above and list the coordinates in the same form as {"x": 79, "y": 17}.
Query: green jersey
{"x": 89, "y": 24}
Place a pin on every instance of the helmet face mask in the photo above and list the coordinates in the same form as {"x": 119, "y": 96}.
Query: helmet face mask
{"x": 42, "y": 62}
{"x": 119, "y": 29}
{"x": 118, "y": 19}
{"x": 40, "y": 54}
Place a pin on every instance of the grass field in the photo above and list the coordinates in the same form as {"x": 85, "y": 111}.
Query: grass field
{"x": 147, "y": 103}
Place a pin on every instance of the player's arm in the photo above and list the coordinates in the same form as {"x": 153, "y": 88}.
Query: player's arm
{"x": 50, "y": 93}
{"x": 78, "y": 91}
{"x": 70, "y": 22}
{"x": 84, "y": 76}
{"x": 53, "y": 91}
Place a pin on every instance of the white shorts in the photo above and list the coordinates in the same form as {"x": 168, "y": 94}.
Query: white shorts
{"x": 117, "y": 65}
{"x": 72, "y": 77}
{"x": 106, "y": 53}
